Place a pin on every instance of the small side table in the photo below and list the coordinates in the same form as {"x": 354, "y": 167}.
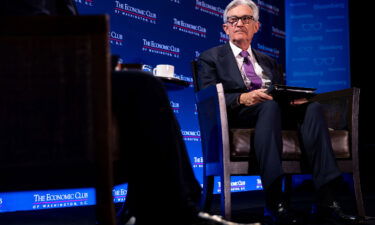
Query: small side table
{"x": 172, "y": 80}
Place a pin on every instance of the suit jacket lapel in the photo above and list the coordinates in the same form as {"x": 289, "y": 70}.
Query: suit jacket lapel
{"x": 266, "y": 70}
{"x": 228, "y": 61}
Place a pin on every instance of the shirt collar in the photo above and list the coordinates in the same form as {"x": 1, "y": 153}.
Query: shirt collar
{"x": 236, "y": 50}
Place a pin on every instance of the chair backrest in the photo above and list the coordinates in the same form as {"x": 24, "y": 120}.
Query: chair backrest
{"x": 341, "y": 110}
{"x": 55, "y": 104}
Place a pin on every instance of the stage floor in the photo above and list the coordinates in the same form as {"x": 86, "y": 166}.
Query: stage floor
{"x": 247, "y": 207}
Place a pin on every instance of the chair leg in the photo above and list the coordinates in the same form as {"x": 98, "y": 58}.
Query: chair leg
{"x": 358, "y": 194}
{"x": 226, "y": 201}
{"x": 207, "y": 195}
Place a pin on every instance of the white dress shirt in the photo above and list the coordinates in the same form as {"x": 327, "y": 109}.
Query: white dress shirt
{"x": 258, "y": 70}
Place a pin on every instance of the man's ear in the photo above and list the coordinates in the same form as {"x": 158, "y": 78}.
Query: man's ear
{"x": 225, "y": 28}
{"x": 257, "y": 26}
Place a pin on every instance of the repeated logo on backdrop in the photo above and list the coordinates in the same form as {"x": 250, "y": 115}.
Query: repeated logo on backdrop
{"x": 208, "y": 8}
{"x": 159, "y": 48}
{"x": 140, "y": 14}
{"x": 182, "y": 26}
{"x": 51, "y": 199}
{"x": 175, "y": 107}
{"x": 119, "y": 193}
{"x": 198, "y": 162}
{"x": 273, "y": 9}
{"x": 116, "y": 38}
{"x": 274, "y": 52}
{"x": 60, "y": 200}
{"x": 191, "y": 135}
{"x": 224, "y": 38}
{"x": 278, "y": 33}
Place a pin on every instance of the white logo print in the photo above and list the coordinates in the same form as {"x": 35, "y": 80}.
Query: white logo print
{"x": 139, "y": 14}
{"x": 116, "y": 38}
{"x": 207, "y": 8}
{"x": 161, "y": 49}
{"x": 182, "y": 26}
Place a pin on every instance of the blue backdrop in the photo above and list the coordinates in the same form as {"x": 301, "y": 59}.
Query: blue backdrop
{"x": 175, "y": 32}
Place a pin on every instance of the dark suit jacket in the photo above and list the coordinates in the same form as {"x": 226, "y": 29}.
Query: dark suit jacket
{"x": 218, "y": 65}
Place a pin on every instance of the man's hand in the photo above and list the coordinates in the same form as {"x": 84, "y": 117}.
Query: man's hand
{"x": 254, "y": 97}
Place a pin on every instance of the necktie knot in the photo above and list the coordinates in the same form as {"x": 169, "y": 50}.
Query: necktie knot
{"x": 244, "y": 54}
{"x": 256, "y": 82}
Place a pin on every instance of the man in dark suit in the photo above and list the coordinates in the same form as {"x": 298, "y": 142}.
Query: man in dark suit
{"x": 245, "y": 73}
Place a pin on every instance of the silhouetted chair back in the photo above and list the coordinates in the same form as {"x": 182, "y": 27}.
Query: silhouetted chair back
{"x": 226, "y": 150}
{"x": 55, "y": 104}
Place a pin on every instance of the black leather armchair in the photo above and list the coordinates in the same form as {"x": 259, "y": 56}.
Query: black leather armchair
{"x": 226, "y": 151}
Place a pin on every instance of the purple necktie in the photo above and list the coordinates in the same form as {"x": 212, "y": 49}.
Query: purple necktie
{"x": 256, "y": 82}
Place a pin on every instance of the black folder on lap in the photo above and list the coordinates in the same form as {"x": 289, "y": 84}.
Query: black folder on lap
{"x": 289, "y": 93}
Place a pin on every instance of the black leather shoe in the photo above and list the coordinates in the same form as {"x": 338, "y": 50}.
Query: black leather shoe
{"x": 333, "y": 214}
{"x": 281, "y": 215}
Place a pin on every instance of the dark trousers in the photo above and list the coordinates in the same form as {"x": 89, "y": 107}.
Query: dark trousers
{"x": 269, "y": 118}
{"x": 152, "y": 152}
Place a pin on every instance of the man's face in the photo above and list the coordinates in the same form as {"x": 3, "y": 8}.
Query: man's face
{"x": 240, "y": 32}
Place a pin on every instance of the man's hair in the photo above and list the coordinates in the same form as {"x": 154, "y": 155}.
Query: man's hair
{"x": 235, "y": 3}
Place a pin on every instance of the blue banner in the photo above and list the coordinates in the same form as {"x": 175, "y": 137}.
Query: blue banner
{"x": 317, "y": 44}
